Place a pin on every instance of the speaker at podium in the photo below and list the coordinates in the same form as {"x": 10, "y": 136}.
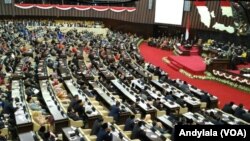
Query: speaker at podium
{"x": 199, "y": 42}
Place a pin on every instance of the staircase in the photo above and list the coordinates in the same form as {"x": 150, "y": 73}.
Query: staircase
{"x": 172, "y": 64}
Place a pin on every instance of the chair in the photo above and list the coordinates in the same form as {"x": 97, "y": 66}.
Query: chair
{"x": 128, "y": 133}
{"x": 5, "y": 132}
{"x": 183, "y": 110}
{"x": 137, "y": 116}
{"x": 121, "y": 127}
{"x": 92, "y": 137}
{"x": 160, "y": 113}
{"x": 108, "y": 119}
{"x": 78, "y": 123}
{"x": 86, "y": 131}
{"x": 203, "y": 105}
{"x": 83, "y": 133}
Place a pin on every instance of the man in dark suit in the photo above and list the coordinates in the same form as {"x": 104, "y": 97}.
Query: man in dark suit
{"x": 129, "y": 124}
{"x": 246, "y": 116}
{"x": 80, "y": 109}
{"x": 104, "y": 133}
{"x": 184, "y": 87}
{"x": 73, "y": 114}
{"x": 205, "y": 98}
{"x": 228, "y": 108}
{"x": 158, "y": 104}
{"x": 96, "y": 126}
{"x": 168, "y": 96}
{"x": 239, "y": 111}
{"x": 181, "y": 101}
{"x": 115, "y": 111}
{"x": 138, "y": 133}
{"x": 74, "y": 101}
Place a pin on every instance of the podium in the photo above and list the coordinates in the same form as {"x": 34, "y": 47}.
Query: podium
{"x": 218, "y": 64}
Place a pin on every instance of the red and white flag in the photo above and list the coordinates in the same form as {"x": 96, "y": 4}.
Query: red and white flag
{"x": 226, "y": 8}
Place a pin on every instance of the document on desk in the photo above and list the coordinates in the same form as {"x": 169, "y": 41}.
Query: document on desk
{"x": 36, "y": 91}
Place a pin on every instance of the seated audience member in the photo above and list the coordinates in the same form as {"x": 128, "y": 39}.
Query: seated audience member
{"x": 34, "y": 105}
{"x": 2, "y": 137}
{"x": 80, "y": 109}
{"x": 157, "y": 126}
{"x": 46, "y": 135}
{"x": 39, "y": 118}
{"x": 74, "y": 101}
{"x": 205, "y": 98}
{"x": 96, "y": 126}
{"x": 246, "y": 116}
{"x": 55, "y": 82}
{"x": 215, "y": 119}
{"x": 148, "y": 119}
{"x": 104, "y": 133}
{"x": 228, "y": 108}
{"x": 117, "y": 57}
{"x": 169, "y": 96}
{"x": 157, "y": 71}
{"x": 138, "y": 133}
{"x": 157, "y": 104}
{"x": 239, "y": 111}
{"x": 62, "y": 95}
{"x": 184, "y": 87}
{"x": 115, "y": 111}
{"x": 72, "y": 114}
{"x": 129, "y": 123}
{"x": 163, "y": 78}
{"x": 8, "y": 107}
{"x": 190, "y": 122}
{"x": 1, "y": 80}
{"x": 150, "y": 101}
{"x": 134, "y": 108}
{"x": 143, "y": 95}
{"x": 181, "y": 101}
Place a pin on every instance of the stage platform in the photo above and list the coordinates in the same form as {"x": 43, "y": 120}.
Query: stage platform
{"x": 191, "y": 64}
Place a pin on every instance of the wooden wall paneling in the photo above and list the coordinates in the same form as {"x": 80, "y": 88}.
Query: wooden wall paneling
{"x": 141, "y": 15}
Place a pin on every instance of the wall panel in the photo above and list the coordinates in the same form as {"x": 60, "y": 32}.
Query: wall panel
{"x": 141, "y": 15}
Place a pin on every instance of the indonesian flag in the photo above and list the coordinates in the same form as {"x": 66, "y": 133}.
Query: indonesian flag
{"x": 226, "y": 8}
{"x": 187, "y": 28}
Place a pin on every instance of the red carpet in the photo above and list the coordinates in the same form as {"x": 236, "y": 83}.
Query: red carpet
{"x": 192, "y": 64}
{"x": 223, "y": 92}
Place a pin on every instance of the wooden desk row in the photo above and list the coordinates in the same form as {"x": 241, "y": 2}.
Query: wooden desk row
{"x": 171, "y": 106}
{"x": 193, "y": 103}
{"x": 59, "y": 116}
{"x": 22, "y": 117}
{"x": 129, "y": 94}
{"x": 72, "y": 88}
{"x": 109, "y": 100}
{"x": 199, "y": 93}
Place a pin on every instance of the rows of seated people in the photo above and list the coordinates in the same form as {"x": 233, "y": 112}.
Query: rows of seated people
{"x": 237, "y": 54}
{"x": 52, "y": 22}
{"x": 89, "y": 76}
{"x": 237, "y": 111}
{"x": 163, "y": 42}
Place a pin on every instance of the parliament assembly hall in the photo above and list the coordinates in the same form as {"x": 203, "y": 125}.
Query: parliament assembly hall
{"x": 124, "y": 70}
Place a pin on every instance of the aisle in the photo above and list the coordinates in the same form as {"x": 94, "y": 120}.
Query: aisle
{"x": 223, "y": 92}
